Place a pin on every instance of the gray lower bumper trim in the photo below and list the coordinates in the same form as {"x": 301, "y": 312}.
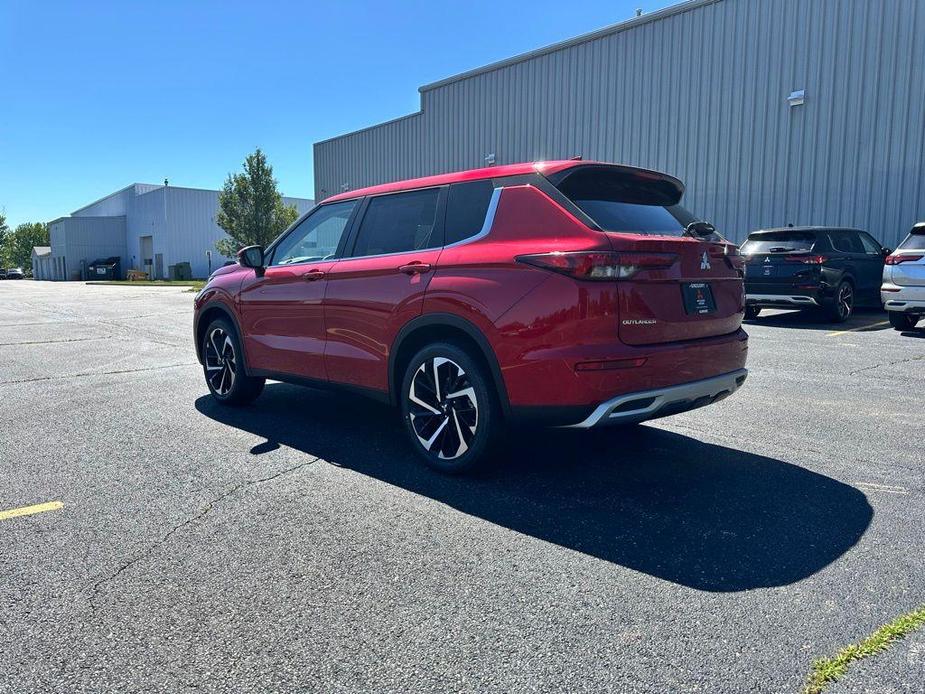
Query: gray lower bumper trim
{"x": 791, "y": 300}
{"x": 649, "y": 404}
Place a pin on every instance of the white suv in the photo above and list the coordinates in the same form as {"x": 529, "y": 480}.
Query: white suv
{"x": 903, "y": 288}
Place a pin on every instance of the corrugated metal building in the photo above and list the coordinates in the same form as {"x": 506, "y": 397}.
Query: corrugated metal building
{"x": 699, "y": 90}
{"x": 150, "y": 227}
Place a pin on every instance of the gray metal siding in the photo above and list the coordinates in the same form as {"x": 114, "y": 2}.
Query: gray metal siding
{"x": 700, "y": 93}
{"x": 78, "y": 241}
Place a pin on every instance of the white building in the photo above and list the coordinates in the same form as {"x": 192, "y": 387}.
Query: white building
{"x": 150, "y": 227}
{"x": 41, "y": 262}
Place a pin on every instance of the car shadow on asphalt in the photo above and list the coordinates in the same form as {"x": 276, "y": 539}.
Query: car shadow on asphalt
{"x": 862, "y": 320}
{"x": 698, "y": 514}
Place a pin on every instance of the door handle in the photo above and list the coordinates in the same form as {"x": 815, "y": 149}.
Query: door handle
{"x": 414, "y": 268}
{"x": 313, "y": 275}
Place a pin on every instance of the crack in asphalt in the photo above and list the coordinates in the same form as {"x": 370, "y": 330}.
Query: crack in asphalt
{"x": 890, "y": 363}
{"x": 95, "y": 589}
{"x": 97, "y": 373}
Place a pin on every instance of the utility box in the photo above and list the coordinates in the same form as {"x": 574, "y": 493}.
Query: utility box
{"x": 180, "y": 271}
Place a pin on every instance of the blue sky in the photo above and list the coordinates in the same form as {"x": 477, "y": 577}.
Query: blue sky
{"x": 97, "y": 95}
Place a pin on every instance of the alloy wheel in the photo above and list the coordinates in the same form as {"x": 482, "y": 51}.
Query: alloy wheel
{"x": 221, "y": 363}
{"x": 845, "y": 300}
{"x": 443, "y": 408}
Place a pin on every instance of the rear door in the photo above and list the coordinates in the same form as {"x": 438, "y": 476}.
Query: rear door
{"x": 699, "y": 295}
{"x": 379, "y": 285}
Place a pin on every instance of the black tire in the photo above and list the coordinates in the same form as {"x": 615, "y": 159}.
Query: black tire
{"x": 451, "y": 434}
{"x": 902, "y": 321}
{"x": 841, "y": 306}
{"x": 752, "y": 312}
{"x": 223, "y": 366}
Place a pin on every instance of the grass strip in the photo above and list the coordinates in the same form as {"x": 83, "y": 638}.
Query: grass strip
{"x": 828, "y": 670}
{"x": 196, "y": 284}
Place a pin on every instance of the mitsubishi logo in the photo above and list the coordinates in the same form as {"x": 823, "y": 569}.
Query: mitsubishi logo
{"x": 767, "y": 260}
{"x": 705, "y": 261}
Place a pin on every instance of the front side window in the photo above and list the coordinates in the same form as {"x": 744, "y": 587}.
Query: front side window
{"x": 399, "y": 223}
{"x": 871, "y": 247}
{"x": 317, "y": 237}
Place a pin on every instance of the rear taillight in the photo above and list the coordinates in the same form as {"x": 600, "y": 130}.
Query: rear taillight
{"x": 806, "y": 259}
{"x": 900, "y": 259}
{"x": 599, "y": 265}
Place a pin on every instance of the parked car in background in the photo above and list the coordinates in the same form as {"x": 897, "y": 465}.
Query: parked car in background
{"x": 15, "y": 273}
{"x": 822, "y": 268}
{"x": 903, "y": 289}
{"x": 2, "y": 273}
{"x": 568, "y": 293}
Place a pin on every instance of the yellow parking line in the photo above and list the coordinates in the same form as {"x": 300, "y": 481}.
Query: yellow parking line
{"x": 29, "y": 510}
{"x": 859, "y": 328}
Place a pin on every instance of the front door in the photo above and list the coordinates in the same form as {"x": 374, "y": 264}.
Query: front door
{"x": 282, "y": 316}
{"x": 379, "y": 286}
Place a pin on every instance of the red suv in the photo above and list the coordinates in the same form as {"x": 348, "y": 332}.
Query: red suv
{"x": 567, "y": 293}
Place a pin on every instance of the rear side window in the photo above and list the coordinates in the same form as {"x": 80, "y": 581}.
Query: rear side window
{"x": 914, "y": 242}
{"x": 779, "y": 242}
{"x": 466, "y": 209}
{"x": 623, "y": 202}
{"x": 846, "y": 242}
{"x": 398, "y": 223}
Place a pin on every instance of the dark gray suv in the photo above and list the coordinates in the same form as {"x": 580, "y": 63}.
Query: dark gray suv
{"x": 827, "y": 269}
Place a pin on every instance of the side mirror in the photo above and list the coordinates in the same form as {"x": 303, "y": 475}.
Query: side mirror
{"x": 252, "y": 257}
{"x": 886, "y": 251}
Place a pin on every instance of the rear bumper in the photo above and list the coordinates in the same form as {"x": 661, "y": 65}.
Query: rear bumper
{"x": 784, "y": 300}
{"x": 903, "y": 299}
{"x": 661, "y": 402}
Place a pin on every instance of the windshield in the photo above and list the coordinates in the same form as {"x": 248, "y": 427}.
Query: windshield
{"x": 778, "y": 242}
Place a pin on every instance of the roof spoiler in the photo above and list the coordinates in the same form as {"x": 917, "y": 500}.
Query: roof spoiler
{"x": 655, "y": 187}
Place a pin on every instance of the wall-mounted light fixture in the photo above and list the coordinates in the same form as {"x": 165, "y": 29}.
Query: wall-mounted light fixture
{"x": 490, "y": 159}
{"x": 797, "y": 97}
{"x": 344, "y": 187}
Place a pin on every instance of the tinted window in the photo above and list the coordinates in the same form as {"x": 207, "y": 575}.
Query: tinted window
{"x": 466, "y": 208}
{"x": 870, "y": 246}
{"x": 621, "y": 201}
{"x": 398, "y": 223}
{"x": 846, "y": 242}
{"x": 317, "y": 237}
{"x": 914, "y": 242}
{"x": 779, "y": 242}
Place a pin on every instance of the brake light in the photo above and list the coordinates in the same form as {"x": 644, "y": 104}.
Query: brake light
{"x": 599, "y": 265}
{"x": 900, "y": 259}
{"x": 807, "y": 259}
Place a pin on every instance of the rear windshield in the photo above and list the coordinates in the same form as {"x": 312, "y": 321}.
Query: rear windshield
{"x": 913, "y": 242}
{"x": 618, "y": 201}
{"x": 779, "y": 242}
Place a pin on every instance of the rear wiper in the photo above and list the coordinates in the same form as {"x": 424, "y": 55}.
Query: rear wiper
{"x": 698, "y": 228}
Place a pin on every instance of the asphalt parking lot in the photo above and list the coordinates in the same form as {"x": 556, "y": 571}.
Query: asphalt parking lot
{"x": 296, "y": 544}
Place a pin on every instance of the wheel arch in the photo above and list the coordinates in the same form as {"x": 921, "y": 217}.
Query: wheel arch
{"x": 433, "y": 327}
{"x": 208, "y": 313}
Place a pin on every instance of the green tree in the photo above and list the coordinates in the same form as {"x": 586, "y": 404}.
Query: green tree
{"x": 17, "y": 245}
{"x": 4, "y": 233}
{"x": 251, "y": 209}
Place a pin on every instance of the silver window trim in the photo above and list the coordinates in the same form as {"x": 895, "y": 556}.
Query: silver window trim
{"x": 486, "y": 224}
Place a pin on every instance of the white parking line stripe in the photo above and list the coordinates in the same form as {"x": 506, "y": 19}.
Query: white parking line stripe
{"x": 874, "y": 487}
{"x": 859, "y": 328}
